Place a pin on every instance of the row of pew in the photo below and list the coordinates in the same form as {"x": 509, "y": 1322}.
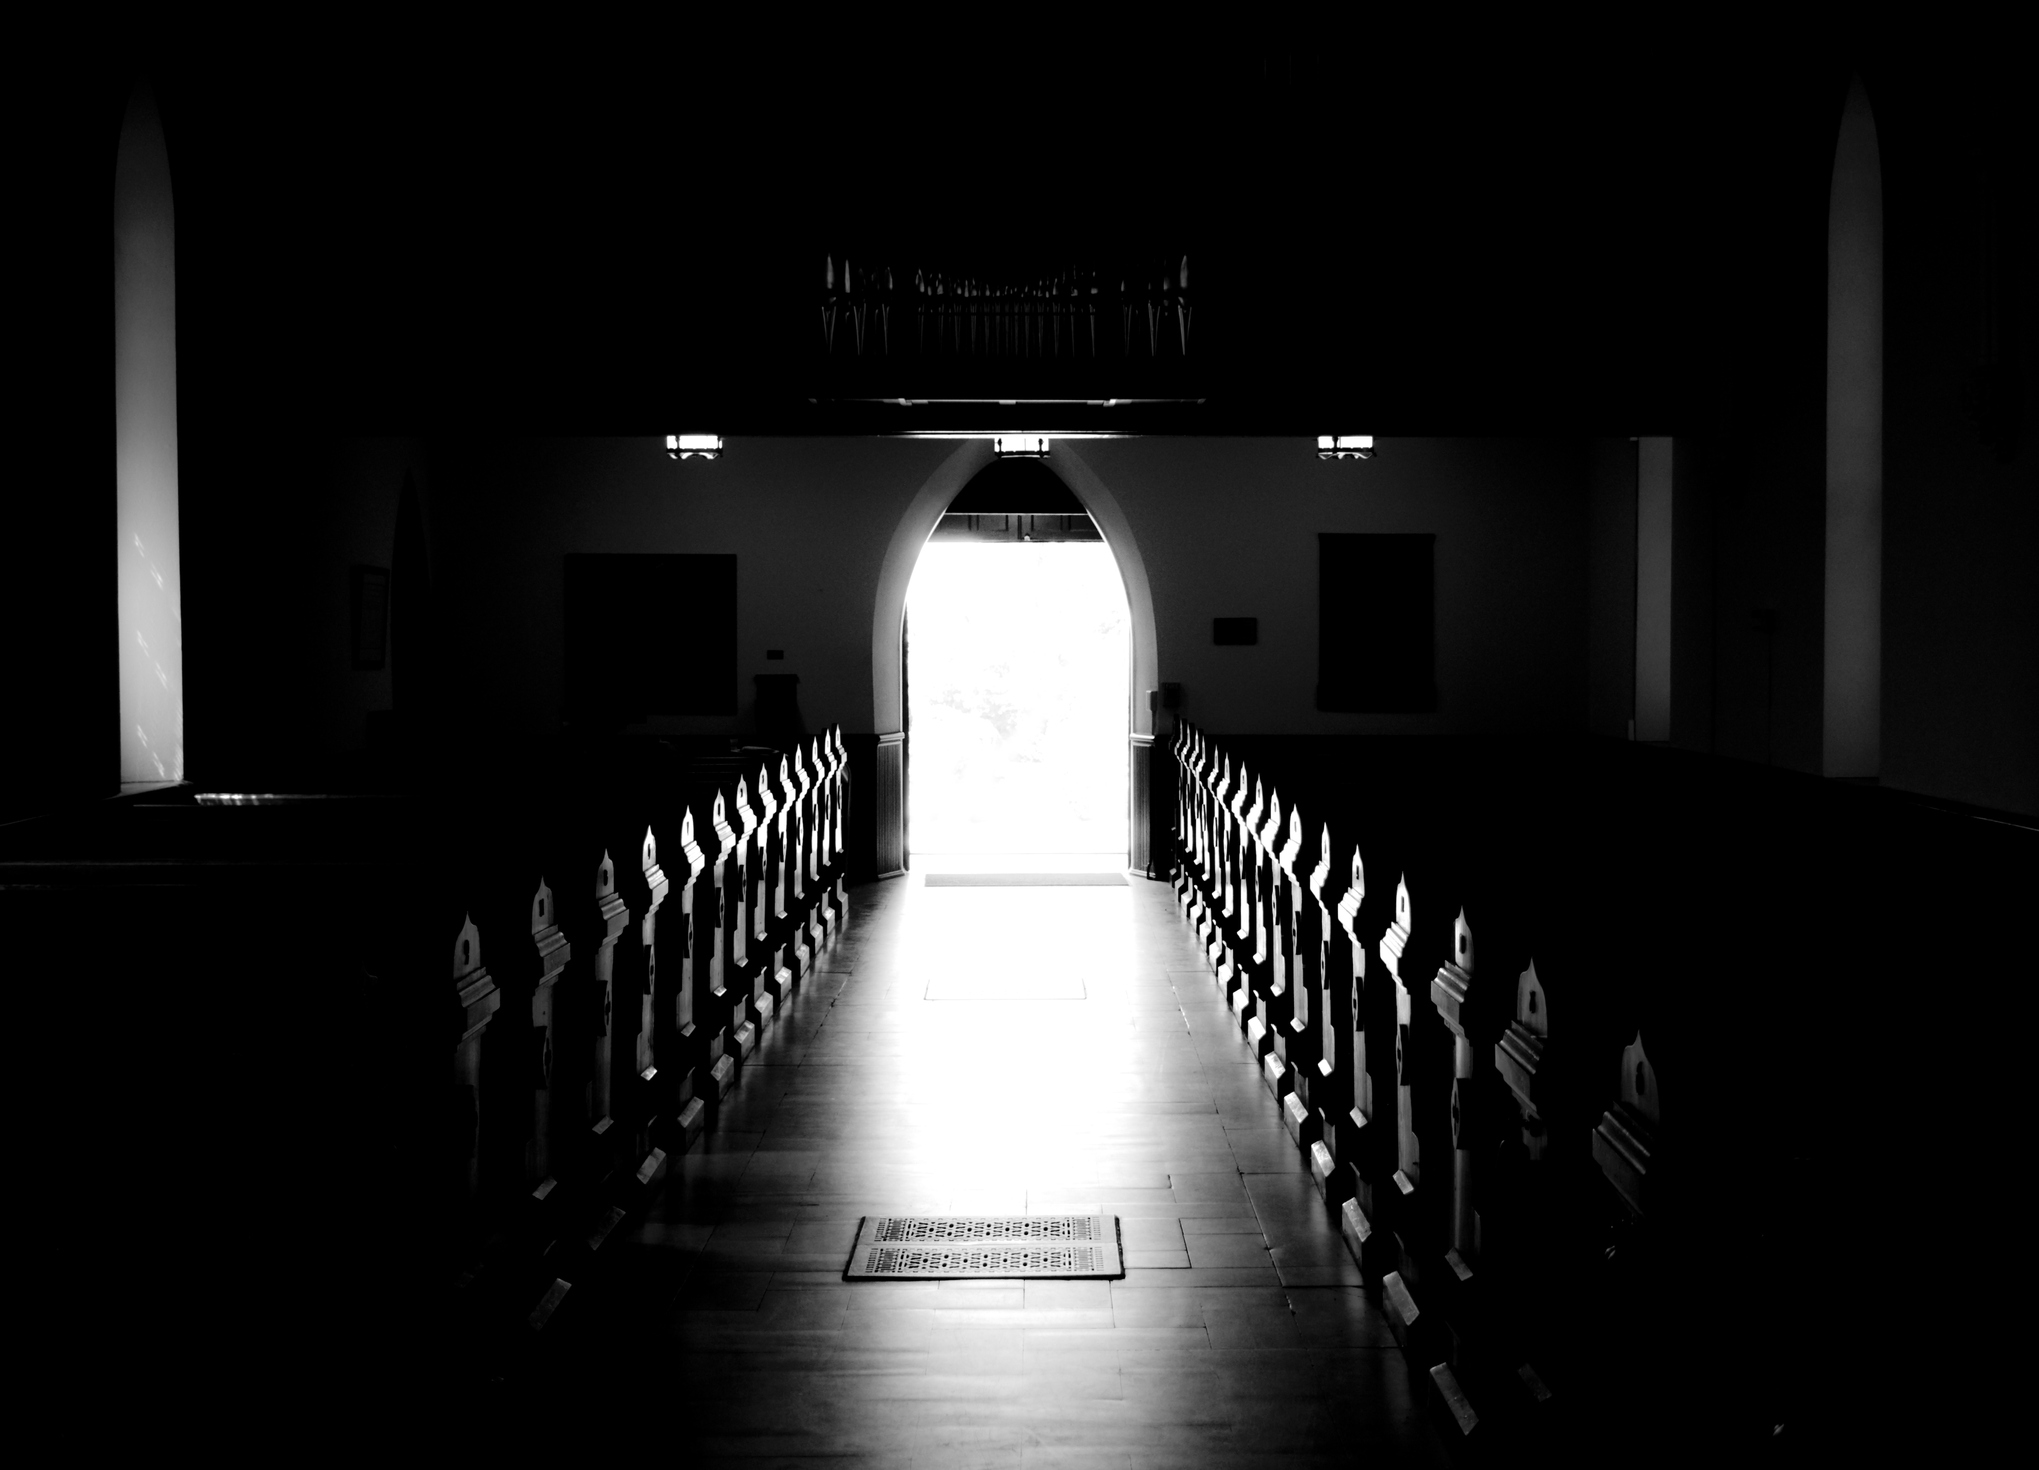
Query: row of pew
{"x": 1495, "y": 1180}
{"x": 621, "y": 955}
{"x": 384, "y": 1073}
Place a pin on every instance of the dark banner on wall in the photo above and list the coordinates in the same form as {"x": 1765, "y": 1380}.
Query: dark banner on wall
{"x": 1375, "y": 624}
{"x": 650, "y": 635}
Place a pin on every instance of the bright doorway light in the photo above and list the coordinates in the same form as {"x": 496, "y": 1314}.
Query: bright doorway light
{"x": 1345, "y": 446}
{"x": 694, "y": 446}
{"x": 1017, "y": 679}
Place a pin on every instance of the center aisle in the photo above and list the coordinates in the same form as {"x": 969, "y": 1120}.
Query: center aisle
{"x": 986, "y": 1050}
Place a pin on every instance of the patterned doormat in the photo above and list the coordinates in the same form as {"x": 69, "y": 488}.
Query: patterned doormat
{"x": 955, "y": 1247}
{"x": 1026, "y": 880}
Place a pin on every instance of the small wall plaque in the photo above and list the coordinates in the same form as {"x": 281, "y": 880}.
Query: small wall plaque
{"x": 1235, "y": 630}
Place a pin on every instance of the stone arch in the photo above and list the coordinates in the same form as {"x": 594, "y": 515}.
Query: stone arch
{"x": 896, "y": 574}
{"x": 918, "y": 523}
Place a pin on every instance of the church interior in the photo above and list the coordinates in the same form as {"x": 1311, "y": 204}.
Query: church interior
{"x": 1574, "y": 499}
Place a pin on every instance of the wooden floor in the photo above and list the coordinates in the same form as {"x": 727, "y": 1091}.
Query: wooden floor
{"x": 1240, "y": 1335}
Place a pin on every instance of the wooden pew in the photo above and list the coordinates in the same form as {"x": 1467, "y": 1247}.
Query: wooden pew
{"x": 593, "y": 917}
{"x": 735, "y": 1005}
{"x": 1204, "y": 883}
{"x": 806, "y": 919}
{"x": 828, "y": 852}
{"x": 1188, "y": 765}
{"x": 1236, "y": 975}
{"x": 751, "y": 960}
{"x": 1226, "y": 821}
{"x": 1252, "y": 933}
{"x": 1361, "y": 1141}
{"x": 1286, "y": 998}
{"x": 696, "y": 1017}
{"x": 1297, "y": 1039}
{"x": 522, "y": 1050}
{"x": 760, "y": 885}
{"x": 779, "y": 872}
{"x": 475, "y": 1002}
{"x": 1525, "y": 1208}
{"x": 739, "y": 877}
{"x": 642, "y": 1025}
{"x": 836, "y": 868}
{"x": 1488, "y": 1261}
{"x": 547, "y": 955}
{"x": 1316, "y": 1113}
{"x": 1207, "y": 883}
{"x": 1186, "y": 854}
{"x": 1266, "y": 965}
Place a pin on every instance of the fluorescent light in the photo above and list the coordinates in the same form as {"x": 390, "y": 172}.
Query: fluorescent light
{"x": 1345, "y": 446}
{"x": 694, "y": 446}
{"x": 1020, "y": 446}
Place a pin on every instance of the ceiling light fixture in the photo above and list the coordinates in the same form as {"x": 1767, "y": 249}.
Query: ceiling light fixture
{"x": 694, "y": 446}
{"x": 1345, "y": 446}
{"x": 1020, "y": 446}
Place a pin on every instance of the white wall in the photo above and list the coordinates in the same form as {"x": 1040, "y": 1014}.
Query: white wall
{"x": 1228, "y": 528}
{"x": 1225, "y": 527}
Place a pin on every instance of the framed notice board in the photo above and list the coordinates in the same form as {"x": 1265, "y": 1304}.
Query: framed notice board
{"x": 1376, "y": 623}
{"x": 651, "y": 635}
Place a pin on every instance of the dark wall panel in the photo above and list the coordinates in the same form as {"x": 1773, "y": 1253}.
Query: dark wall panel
{"x": 651, "y": 634}
{"x": 1610, "y": 592}
{"x": 1376, "y": 623}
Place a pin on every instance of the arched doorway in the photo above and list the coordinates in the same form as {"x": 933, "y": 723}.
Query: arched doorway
{"x": 1017, "y": 683}
{"x": 889, "y": 792}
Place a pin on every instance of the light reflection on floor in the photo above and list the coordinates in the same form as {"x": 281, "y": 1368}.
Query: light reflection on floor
{"x": 1240, "y": 1333}
{"x": 1002, "y": 1087}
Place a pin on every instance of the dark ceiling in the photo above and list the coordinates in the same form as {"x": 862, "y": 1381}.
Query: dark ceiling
{"x": 617, "y": 236}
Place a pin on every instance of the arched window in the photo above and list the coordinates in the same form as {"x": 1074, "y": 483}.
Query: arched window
{"x": 145, "y": 451}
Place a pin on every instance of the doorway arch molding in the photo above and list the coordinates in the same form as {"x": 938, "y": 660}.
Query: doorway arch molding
{"x": 918, "y": 523}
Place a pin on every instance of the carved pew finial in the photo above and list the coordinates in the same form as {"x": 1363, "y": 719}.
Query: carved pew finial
{"x": 551, "y": 952}
{"x": 1625, "y": 1138}
{"x": 609, "y": 919}
{"x": 1361, "y": 1132}
{"x": 1451, "y": 991}
{"x": 1394, "y": 944}
{"x": 644, "y": 1109}
{"x": 466, "y": 949}
{"x": 475, "y": 1000}
{"x": 1355, "y": 890}
{"x": 1518, "y": 1055}
{"x": 1639, "y": 1081}
{"x": 692, "y": 1004}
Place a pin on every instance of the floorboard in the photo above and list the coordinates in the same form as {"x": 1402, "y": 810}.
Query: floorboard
{"x": 1239, "y": 1336}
